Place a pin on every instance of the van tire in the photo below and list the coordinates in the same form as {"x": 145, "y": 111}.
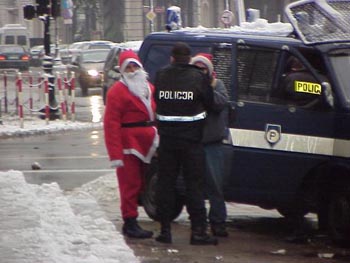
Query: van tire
{"x": 148, "y": 196}
{"x": 339, "y": 216}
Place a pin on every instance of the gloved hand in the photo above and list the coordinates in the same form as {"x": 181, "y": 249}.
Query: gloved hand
{"x": 117, "y": 163}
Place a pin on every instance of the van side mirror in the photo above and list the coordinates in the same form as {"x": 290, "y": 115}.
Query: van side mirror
{"x": 327, "y": 93}
{"x": 231, "y": 114}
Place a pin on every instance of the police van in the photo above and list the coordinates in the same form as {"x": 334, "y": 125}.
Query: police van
{"x": 290, "y": 147}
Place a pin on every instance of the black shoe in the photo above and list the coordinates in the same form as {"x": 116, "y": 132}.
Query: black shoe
{"x": 165, "y": 235}
{"x": 219, "y": 230}
{"x": 297, "y": 238}
{"x": 133, "y": 230}
{"x": 164, "y": 238}
{"x": 200, "y": 237}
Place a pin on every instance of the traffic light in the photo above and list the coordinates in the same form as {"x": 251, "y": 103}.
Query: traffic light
{"x": 55, "y": 8}
{"x": 42, "y": 7}
{"x": 29, "y": 12}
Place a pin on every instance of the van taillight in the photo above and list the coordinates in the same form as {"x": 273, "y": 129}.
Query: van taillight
{"x": 25, "y": 57}
{"x": 2, "y": 57}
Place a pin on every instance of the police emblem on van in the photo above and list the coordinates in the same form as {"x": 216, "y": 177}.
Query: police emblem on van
{"x": 273, "y": 133}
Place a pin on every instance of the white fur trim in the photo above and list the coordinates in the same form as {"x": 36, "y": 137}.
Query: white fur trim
{"x": 117, "y": 163}
{"x": 205, "y": 61}
{"x": 151, "y": 152}
{"x": 126, "y": 62}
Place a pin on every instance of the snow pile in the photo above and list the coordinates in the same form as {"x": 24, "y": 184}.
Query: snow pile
{"x": 35, "y": 126}
{"x": 259, "y": 27}
{"x": 103, "y": 189}
{"x": 262, "y": 26}
{"x": 38, "y": 224}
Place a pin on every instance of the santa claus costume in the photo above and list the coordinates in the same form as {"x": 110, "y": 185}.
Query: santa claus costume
{"x": 131, "y": 137}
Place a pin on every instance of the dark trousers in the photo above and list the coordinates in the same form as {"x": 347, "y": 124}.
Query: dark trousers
{"x": 188, "y": 157}
{"x": 215, "y": 182}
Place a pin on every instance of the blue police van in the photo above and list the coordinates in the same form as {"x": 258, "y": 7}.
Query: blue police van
{"x": 290, "y": 144}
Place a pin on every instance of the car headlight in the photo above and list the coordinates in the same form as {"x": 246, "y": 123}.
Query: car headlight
{"x": 93, "y": 72}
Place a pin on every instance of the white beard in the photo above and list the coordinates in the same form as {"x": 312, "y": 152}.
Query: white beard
{"x": 137, "y": 83}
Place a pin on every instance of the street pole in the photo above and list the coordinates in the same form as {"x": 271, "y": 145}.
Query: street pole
{"x": 152, "y": 9}
{"x": 47, "y": 67}
{"x": 44, "y": 10}
{"x": 227, "y": 6}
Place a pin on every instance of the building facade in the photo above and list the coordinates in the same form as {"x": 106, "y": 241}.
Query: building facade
{"x": 125, "y": 20}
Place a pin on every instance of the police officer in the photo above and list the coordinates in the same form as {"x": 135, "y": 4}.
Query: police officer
{"x": 301, "y": 87}
{"x": 183, "y": 95}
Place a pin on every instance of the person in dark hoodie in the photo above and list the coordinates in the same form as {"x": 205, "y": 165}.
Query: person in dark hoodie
{"x": 183, "y": 96}
{"x": 215, "y": 131}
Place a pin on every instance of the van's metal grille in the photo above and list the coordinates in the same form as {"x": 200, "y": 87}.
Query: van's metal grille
{"x": 222, "y": 61}
{"x": 321, "y": 21}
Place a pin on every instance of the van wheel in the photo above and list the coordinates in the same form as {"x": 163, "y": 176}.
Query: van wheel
{"x": 339, "y": 217}
{"x": 148, "y": 196}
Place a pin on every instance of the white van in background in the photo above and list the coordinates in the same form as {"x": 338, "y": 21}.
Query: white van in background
{"x": 14, "y": 34}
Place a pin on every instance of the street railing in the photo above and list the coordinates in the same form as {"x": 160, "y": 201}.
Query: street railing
{"x": 27, "y": 94}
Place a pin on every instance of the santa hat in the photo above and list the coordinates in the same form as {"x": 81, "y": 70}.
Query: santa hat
{"x": 206, "y": 59}
{"x": 126, "y": 57}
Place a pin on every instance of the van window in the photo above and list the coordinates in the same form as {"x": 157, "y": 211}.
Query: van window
{"x": 22, "y": 40}
{"x": 299, "y": 87}
{"x": 9, "y": 40}
{"x": 158, "y": 57}
{"x": 255, "y": 72}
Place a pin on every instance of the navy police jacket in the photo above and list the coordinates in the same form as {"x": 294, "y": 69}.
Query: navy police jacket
{"x": 183, "y": 96}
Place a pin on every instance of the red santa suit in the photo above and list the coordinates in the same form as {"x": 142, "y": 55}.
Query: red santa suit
{"x": 131, "y": 137}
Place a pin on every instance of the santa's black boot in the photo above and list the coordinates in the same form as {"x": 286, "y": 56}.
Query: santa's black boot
{"x": 132, "y": 229}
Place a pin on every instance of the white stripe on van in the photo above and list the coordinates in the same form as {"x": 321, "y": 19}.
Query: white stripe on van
{"x": 291, "y": 143}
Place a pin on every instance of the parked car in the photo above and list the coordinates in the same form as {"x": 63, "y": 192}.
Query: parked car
{"x": 87, "y": 66}
{"x": 110, "y": 68}
{"x": 70, "y": 51}
{"x": 14, "y": 56}
{"x": 97, "y": 44}
{"x": 37, "y": 53}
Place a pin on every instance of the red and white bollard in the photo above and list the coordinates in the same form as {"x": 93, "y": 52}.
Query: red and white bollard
{"x": 62, "y": 102}
{"x": 66, "y": 90}
{"x": 30, "y": 92}
{"x": 47, "y": 105}
{"x": 72, "y": 82}
{"x": 5, "y": 93}
{"x": 20, "y": 99}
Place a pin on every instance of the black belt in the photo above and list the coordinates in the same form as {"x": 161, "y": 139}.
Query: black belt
{"x": 138, "y": 124}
